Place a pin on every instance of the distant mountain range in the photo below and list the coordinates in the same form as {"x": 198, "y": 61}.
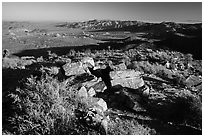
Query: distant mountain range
{"x": 101, "y": 24}
{"x": 131, "y": 25}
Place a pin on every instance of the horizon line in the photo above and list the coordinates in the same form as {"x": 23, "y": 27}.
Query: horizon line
{"x": 63, "y": 21}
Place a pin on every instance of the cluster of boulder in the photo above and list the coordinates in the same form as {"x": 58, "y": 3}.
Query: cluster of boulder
{"x": 127, "y": 88}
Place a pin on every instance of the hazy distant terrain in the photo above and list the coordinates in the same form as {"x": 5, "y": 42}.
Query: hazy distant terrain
{"x": 18, "y": 36}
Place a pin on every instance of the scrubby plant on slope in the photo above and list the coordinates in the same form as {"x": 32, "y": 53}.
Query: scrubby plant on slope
{"x": 46, "y": 107}
{"x": 159, "y": 70}
{"x": 192, "y": 107}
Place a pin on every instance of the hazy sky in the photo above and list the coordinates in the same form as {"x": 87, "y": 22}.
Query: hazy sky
{"x": 68, "y": 11}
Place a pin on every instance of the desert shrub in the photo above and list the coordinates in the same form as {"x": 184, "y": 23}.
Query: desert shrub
{"x": 180, "y": 108}
{"x": 46, "y": 107}
{"x": 14, "y": 63}
{"x": 128, "y": 127}
{"x": 192, "y": 108}
{"x": 160, "y": 71}
{"x": 146, "y": 67}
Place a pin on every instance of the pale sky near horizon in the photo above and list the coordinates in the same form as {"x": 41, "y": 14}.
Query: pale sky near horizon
{"x": 82, "y": 11}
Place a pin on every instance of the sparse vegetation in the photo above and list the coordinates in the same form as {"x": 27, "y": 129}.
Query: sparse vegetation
{"x": 46, "y": 107}
{"x": 36, "y": 102}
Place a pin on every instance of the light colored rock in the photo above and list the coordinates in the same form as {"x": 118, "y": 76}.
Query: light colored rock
{"x": 133, "y": 82}
{"x": 83, "y": 92}
{"x": 129, "y": 78}
{"x": 28, "y": 57}
{"x": 104, "y": 125}
{"x": 88, "y": 60}
{"x": 73, "y": 69}
{"x": 102, "y": 104}
{"x": 91, "y": 92}
{"x": 124, "y": 74}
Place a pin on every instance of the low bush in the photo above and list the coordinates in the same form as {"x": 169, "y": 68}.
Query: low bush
{"x": 160, "y": 71}
{"x": 46, "y": 107}
{"x": 191, "y": 106}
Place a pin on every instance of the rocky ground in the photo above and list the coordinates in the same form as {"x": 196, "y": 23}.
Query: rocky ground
{"x": 145, "y": 96}
{"x": 50, "y": 90}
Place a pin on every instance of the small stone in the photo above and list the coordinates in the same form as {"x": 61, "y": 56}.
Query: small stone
{"x": 146, "y": 91}
{"x": 83, "y": 92}
{"x": 102, "y": 104}
{"x": 91, "y": 92}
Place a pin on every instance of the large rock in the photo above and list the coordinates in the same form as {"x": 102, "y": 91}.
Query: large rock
{"x": 193, "y": 81}
{"x": 128, "y": 78}
{"x": 124, "y": 74}
{"x": 73, "y": 69}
